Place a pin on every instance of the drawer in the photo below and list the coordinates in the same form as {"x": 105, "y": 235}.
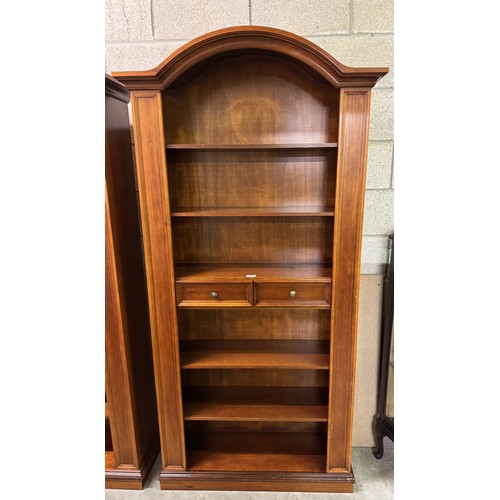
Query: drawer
{"x": 293, "y": 294}
{"x": 214, "y": 294}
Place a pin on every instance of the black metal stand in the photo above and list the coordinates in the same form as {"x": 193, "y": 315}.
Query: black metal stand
{"x": 384, "y": 425}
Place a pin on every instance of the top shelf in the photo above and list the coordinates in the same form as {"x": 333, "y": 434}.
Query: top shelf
{"x": 249, "y": 147}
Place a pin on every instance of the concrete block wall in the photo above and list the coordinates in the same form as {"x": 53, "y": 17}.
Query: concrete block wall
{"x": 142, "y": 33}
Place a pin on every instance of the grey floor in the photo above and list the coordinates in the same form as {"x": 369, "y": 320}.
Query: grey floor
{"x": 374, "y": 481}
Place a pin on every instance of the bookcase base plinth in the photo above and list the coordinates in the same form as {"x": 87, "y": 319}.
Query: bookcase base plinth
{"x": 258, "y": 481}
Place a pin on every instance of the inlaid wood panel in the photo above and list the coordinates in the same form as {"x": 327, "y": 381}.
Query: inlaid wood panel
{"x": 252, "y": 99}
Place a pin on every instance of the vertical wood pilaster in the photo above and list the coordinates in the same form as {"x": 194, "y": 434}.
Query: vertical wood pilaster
{"x": 156, "y": 229}
{"x": 349, "y": 205}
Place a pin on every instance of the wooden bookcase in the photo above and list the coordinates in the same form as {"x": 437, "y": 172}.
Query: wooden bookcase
{"x": 251, "y": 148}
{"x": 132, "y": 442}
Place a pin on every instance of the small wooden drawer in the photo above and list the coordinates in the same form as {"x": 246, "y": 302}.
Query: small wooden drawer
{"x": 293, "y": 294}
{"x": 214, "y": 294}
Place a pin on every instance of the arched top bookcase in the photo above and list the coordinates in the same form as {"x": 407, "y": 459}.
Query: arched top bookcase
{"x": 251, "y": 146}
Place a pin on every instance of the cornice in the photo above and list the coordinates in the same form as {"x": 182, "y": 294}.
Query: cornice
{"x": 259, "y": 38}
{"x": 116, "y": 89}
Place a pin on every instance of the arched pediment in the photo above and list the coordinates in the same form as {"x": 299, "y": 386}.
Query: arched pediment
{"x": 248, "y": 40}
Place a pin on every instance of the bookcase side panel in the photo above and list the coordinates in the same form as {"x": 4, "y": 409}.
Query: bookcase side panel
{"x": 155, "y": 210}
{"x": 349, "y": 204}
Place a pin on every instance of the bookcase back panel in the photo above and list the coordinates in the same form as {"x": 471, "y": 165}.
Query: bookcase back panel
{"x": 253, "y": 239}
{"x": 256, "y": 377}
{"x": 265, "y": 178}
{"x": 258, "y": 439}
{"x": 252, "y": 99}
{"x": 307, "y": 324}
{"x": 311, "y": 427}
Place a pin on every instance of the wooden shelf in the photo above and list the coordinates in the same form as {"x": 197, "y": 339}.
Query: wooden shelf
{"x": 283, "y": 404}
{"x": 106, "y": 411}
{"x": 256, "y": 451}
{"x": 254, "y": 212}
{"x": 280, "y": 354}
{"x": 253, "y": 462}
{"x": 205, "y": 360}
{"x": 249, "y": 147}
{"x": 282, "y": 272}
{"x": 255, "y": 413}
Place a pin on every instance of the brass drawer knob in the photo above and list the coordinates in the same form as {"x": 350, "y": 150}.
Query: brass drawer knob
{"x": 214, "y": 295}
{"x": 293, "y": 293}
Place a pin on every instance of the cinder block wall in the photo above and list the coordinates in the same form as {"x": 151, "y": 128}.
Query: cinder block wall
{"x": 141, "y": 33}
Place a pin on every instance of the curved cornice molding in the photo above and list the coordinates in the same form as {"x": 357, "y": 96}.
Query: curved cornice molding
{"x": 116, "y": 89}
{"x": 247, "y": 38}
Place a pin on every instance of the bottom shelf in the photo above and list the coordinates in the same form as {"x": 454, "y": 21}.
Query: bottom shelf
{"x": 254, "y": 462}
{"x": 258, "y": 470}
{"x": 254, "y": 451}
{"x": 256, "y": 456}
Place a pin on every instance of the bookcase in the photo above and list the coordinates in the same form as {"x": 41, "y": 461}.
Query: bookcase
{"x": 131, "y": 437}
{"x": 251, "y": 146}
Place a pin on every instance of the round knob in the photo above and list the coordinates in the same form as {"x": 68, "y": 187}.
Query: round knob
{"x": 293, "y": 293}
{"x": 214, "y": 295}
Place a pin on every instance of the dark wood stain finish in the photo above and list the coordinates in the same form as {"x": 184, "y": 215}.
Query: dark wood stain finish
{"x": 384, "y": 423}
{"x": 251, "y": 148}
{"x": 131, "y": 423}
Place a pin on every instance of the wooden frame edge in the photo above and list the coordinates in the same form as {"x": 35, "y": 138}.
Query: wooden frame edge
{"x": 250, "y": 37}
{"x": 258, "y": 481}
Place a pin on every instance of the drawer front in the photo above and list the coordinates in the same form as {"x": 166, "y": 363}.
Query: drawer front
{"x": 214, "y": 294}
{"x": 293, "y": 294}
